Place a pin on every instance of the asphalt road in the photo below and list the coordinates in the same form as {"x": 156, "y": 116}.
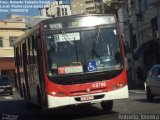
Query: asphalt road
{"x": 135, "y": 107}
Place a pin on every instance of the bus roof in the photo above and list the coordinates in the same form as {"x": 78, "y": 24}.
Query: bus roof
{"x": 36, "y": 27}
{"x": 74, "y": 16}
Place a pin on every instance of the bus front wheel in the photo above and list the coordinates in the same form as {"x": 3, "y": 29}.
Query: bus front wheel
{"x": 107, "y": 105}
{"x": 149, "y": 95}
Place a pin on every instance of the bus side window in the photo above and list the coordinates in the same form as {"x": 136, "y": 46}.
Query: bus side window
{"x": 36, "y": 39}
{"x": 31, "y": 51}
{"x": 20, "y": 55}
{"x": 28, "y": 50}
{"x": 34, "y": 48}
{"x": 17, "y": 57}
{"x": 24, "y": 57}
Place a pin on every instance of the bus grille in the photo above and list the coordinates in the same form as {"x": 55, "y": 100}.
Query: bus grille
{"x": 84, "y": 78}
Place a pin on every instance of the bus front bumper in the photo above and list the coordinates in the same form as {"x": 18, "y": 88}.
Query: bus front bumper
{"x": 54, "y": 102}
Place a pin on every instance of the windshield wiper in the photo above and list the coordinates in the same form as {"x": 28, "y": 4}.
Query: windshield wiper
{"x": 94, "y": 43}
{"x": 73, "y": 44}
{"x": 98, "y": 33}
{"x": 76, "y": 49}
{"x": 66, "y": 37}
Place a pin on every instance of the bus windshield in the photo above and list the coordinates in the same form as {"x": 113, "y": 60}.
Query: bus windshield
{"x": 83, "y": 51}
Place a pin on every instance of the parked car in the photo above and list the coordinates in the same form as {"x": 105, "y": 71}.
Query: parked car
{"x": 5, "y": 85}
{"x": 153, "y": 83}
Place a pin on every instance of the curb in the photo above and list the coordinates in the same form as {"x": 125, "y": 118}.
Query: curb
{"x": 138, "y": 92}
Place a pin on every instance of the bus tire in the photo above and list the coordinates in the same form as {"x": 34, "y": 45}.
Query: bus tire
{"x": 107, "y": 105}
{"x": 149, "y": 95}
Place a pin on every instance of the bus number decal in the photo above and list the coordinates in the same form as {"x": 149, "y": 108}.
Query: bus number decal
{"x": 99, "y": 85}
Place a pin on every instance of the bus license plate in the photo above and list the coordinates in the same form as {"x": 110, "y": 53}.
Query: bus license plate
{"x": 86, "y": 98}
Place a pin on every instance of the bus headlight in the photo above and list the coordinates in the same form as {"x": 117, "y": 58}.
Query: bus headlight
{"x": 53, "y": 93}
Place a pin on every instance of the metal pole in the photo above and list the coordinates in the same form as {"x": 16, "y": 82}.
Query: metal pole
{"x": 131, "y": 39}
{"x": 102, "y": 6}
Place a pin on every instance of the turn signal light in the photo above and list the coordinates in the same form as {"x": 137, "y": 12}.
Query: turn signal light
{"x": 118, "y": 86}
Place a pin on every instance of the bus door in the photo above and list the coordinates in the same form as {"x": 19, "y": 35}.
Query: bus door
{"x": 32, "y": 68}
{"x": 26, "y": 85}
{"x": 18, "y": 79}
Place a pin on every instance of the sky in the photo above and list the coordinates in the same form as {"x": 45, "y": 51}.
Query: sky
{"x": 22, "y": 7}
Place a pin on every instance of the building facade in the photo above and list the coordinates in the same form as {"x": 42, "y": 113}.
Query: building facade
{"x": 86, "y": 6}
{"x": 9, "y": 32}
{"x": 55, "y": 9}
{"x": 146, "y": 36}
{"x": 78, "y": 6}
{"x": 30, "y": 21}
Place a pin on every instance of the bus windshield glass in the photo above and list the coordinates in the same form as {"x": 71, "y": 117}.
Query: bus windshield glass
{"x": 84, "y": 51}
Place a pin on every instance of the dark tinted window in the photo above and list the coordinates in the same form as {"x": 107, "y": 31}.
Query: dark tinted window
{"x": 154, "y": 72}
{"x": 99, "y": 46}
{"x": 5, "y": 79}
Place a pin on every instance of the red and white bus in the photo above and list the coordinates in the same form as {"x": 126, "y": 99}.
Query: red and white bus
{"x": 72, "y": 60}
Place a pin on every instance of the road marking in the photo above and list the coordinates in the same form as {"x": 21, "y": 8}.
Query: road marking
{"x": 8, "y": 98}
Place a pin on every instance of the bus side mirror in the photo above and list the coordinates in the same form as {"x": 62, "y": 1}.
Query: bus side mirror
{"x": 36, "y": 43}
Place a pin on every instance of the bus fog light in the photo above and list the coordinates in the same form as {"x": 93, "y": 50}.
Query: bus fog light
{"x": 121, "y": 85}
{"x": 115, "y": 87}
